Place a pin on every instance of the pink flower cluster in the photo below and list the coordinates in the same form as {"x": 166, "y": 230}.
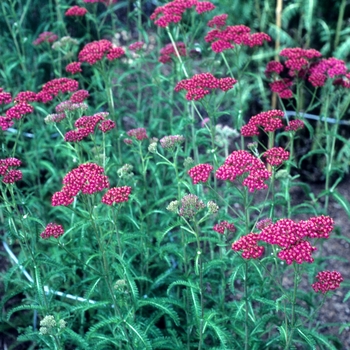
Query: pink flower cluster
{"x": 168, "y": 50}
{"x": 222, "y": 38}
{"x": 79, "y": 96}
{"x": 327, "y": 280}
{"x": 52, "y": 230}
{"x": 10, "y": 175}
{"x": 74, "y": 68}
{"x": 76, "y": 11}
{"x": 200, "y": 173}
{"x": 343, "y": 81}
{"x": 269, "y": 121}
{"x": 294, "y": 125}
{"x": 325, "y": 68}
{"x": 172, "y": 12}
{"x": 200, "y": 85}
{"x": 5, "y": 97}
{"x": 282, "y": 87}
{"x": 19, "y": 110}
{"x": 224, "y": 225}
{"x": 25, "y": 96}
{"x": 97, "y": 50}
{"x": 240, "y": 163}
{"x": 248, "y": 244}
{"x": 139, "y": 133}
{"x": 87, "y": 178}
{"x": 275, "y": 156}
{"x": 5, "y": 123}
{"x": 68, "y": 105}
{"x": 85, "y": 126}
{"x": 116, "y": 195}
{"x": 54, "y": 87}
{"x": 47, "y": 37}
{"x": 289, "y": 235}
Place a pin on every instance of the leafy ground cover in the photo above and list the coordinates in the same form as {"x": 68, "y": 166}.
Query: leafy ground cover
{"x": 157, "y": 175}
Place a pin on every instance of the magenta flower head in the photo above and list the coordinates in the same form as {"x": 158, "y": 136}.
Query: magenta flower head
{"x": 19, "y": 110}
{"x": 276, "y": 156}
{"x": 79, "y": 96}
{"x": 327, "y": 280}
{"x": 5, "y": 98}
{"x": 52, "y": 230}
{"x": 200, "y": 173}
{"x": 116, "y": 195}
{"x": 88, "y": 178}
{"x": 248, "y": 244}
{"x": 9, "y": 175}
{"x": 59, "y": 85}
{"x": 139, "y": 133}
{"x": 294, "y": 125}
{"x": 74, "y": 68}
{"x": 25, "y": 96}
{"x": 76, "y": 11}
{"x": 172, "y": 12}
{"x": 5, "y": 123}
{"x": 136, "y": 46}
{"x": 268, "y": 121}
{"x": 201, "y": 84}
{"x": 242, "y": 163}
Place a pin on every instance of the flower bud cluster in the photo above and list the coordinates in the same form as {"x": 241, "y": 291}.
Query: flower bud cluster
{"x": 116, "y": 195}
{"x": 87, "y": 178}
{"x": 8, "y": 174}
{"x": 190, "y": 206}
{"x": 200, "y": 85}
{"x": 200, "y": 173}
{"x": 240, "y": 163}
{"x": 172, "y": 141}
{"x": 52, "y": 230}
{"x": 172, "y": 12}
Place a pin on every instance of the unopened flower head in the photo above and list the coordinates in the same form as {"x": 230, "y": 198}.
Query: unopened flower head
{"x": 190, "y": 206}
{"x": 188, "y": 162}
{"x": 172, "y": 141}
{"x": 64, "y": 42}
{"x": 213, "y": 208}
{"x": 125, "y": 172}
{"x": 52, "y": 230}
{"x": 173, "y": 206}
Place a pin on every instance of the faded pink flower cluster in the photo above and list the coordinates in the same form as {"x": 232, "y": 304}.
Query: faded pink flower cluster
{"x": 200, "y": 85}
{"x": 116, "y": 195}
{"x": 190, "y": 206}
{"x": 327, "y": 280}
{"x": 85, "y": 126}
{"x": 76, "y": 11}
{"x": 68, "y": 105}
{"x": 45, "y": 37}
{"x": 167, "y": 51}
{"x": 52, "y": 230}
{"x": 87, "y": 178}
{"x": 8, "y": 174}
{"x": 97, "y": 50}
{"x": 136, "y": 46}
{"x": 200, "y": 173}
{"x": 172, "y": 12}
{"x": 222, "y": 38}
{"x": 223, "y": 226}
{"x": 171, "y": 141}
{"x": 275, "y": 156}
{"x": 242, "y": 163}
{"x": 269, "y": 121}
{"x": 138, "y": 133}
